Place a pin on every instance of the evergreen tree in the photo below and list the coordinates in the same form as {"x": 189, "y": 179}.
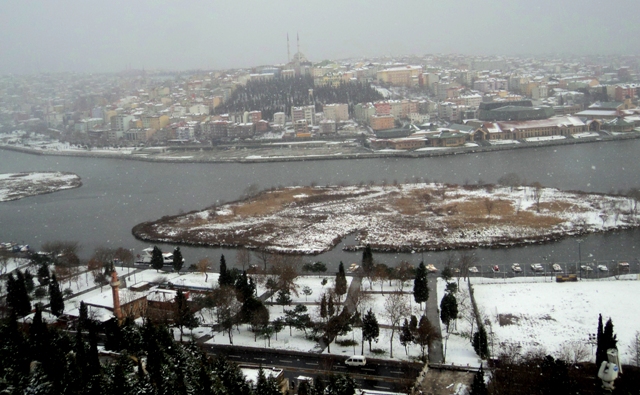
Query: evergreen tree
{"x": 266, "y": 385}
{"x": 448, "y": 309}
{"x": 43, "y": 274}
{"x": 341, "y": 281}
{"x": 245, "y": 287}
{"x": 331, "y": 310}
{"x": 28, "y": 281}
{"x": 367, "y": 260}
{"x": 478, "y": 387}
{"x": 184, "y": 315}
{"x": 283, "y": 298}
{"x": 609, "y": 339}
{"x": 323, "y": 307}
{"x": 480, "y": 344}
{"x": 178, "y": 262}
{"x": 341, "y": 385}
{"x": 56, "y": 302}
{"x": 420, "y": 287}
{"x": 370, "y": 328}
{"x": 83, "y": 318}
{"x": 601, "y": 351}
{"x": 17, "y": 295}
{"x": 157, "y": 260}
{"x": 406, "y": 337}
{"x": 225, "y": 277}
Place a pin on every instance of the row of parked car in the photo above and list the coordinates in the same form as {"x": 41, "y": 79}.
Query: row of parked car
{"x": 556, "y": 268}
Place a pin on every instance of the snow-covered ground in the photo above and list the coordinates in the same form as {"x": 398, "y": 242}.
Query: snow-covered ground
{"x": 544, "y": 138}
{"x": 556, "y": 317}
{"x": 396, "y": 218}
{"x": 15, "y": 186}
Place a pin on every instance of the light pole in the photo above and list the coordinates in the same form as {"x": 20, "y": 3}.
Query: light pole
{"x": 579, "y": 241}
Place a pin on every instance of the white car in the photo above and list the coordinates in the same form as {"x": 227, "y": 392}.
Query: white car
{"x": 623, "y": 265}
{"x": 356, "y": 360}
{"x": 536, "y": 267}
{"x": 516, "y": 268}
{"x": 603, "y": 268}
{"x": 586, "y": 268}
{"x": 556, "y": 268}
{"x": 473, "y": 269}
{"x": 431, "y": 268}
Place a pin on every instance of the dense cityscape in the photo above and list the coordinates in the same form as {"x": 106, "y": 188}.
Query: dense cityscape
{"x": 156, "y": 239}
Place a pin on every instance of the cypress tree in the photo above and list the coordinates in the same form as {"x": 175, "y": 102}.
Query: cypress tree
{"x": 83, "y": 319}
{"x": 157, "y": 261}
{"x": 225, "y": 277}
{"x": 184, "y": 316}
{"x": 601, "y": 351}
{"x": 341, "y": 281}
{"x": 367, "y": 260}
{"x": 478, "y": 387}
{"x": 370, "y": 328}
{"x": 177, "y": 259}
{"x": 55, "y": 297}
{"x": 43, "y": 274}
{"x": 323, "y": 307}
{"x": 420, "y": 287}
{"x": 17, "y": 295}
{"x": 406, "y": 337}
{"x": 448, "y": 309}
{"x": 28, "y": 281}
{"x": 480, "y": 344}
{"x": 331, "y": 310}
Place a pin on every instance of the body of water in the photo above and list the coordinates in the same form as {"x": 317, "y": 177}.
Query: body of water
{"x": 117, "y": 194}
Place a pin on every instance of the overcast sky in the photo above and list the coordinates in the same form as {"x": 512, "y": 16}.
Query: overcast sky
{"x": 97, "y": 36}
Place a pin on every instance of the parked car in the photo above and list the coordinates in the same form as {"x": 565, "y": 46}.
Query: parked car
{"x": 431, "y": 268}
{"x": 586, "y": 268}
{"x": 556, "y": 268}
{"x": 353, "y": 267}
{"x": 516, "y": 267}
{"x": 495, "y": 268}
{"x": 603, "y": 268}
{"x": 473, "y": 269}
{"x": 537, "y": 267}
{"x": 623, "y": 265}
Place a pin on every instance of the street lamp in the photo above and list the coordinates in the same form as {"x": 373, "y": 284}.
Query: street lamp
{"x": 579, "y": 241}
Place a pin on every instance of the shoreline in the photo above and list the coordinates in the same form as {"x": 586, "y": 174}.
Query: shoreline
{"x": 311, "y": 157}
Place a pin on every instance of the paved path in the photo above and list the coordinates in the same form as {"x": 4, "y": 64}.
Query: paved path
{"x": 436, "y": 354}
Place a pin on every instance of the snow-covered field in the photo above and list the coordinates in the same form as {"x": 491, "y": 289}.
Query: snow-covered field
{"x": 15, "y": 186}
{"x": 401, "y": 217}
{"x": 558, "y": 317}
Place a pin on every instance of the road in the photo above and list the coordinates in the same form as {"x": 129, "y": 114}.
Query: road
{"x": 380, "y": 375}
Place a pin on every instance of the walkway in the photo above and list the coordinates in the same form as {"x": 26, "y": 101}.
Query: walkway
{"x": 436, "y": 354}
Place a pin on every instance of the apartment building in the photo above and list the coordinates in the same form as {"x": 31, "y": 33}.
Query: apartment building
{"x": 337, "y": 112}
{"x": 307, "y": 113}
{"x": 400, "y": 76}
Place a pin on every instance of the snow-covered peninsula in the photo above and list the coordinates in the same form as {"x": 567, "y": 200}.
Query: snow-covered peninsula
{"x": 14, "y": 186}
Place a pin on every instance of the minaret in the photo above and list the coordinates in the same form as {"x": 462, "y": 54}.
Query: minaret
{"x": 288, "y": 51}
{"x": 115, "y": 292}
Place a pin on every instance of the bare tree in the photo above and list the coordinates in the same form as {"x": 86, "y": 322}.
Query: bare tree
{"x": 262, "y": 256}
{"x": 63, "y": 252}
{"x": 489, "y": 204}
{"x": 396, "y": 308}
{"x": 404, "y": 272}
{"x": 124, "y": 255}
{"x": 285, "y": 268}
{"x": 574, "y": 352}
{"x": 203, "y": 266}
{"x": 511, "y": 180}
{"x": 537, "y": 194}
{"x": 634, "y": 350}
{"x": 466, "y": 259}
{"x": 243, "y": 258}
